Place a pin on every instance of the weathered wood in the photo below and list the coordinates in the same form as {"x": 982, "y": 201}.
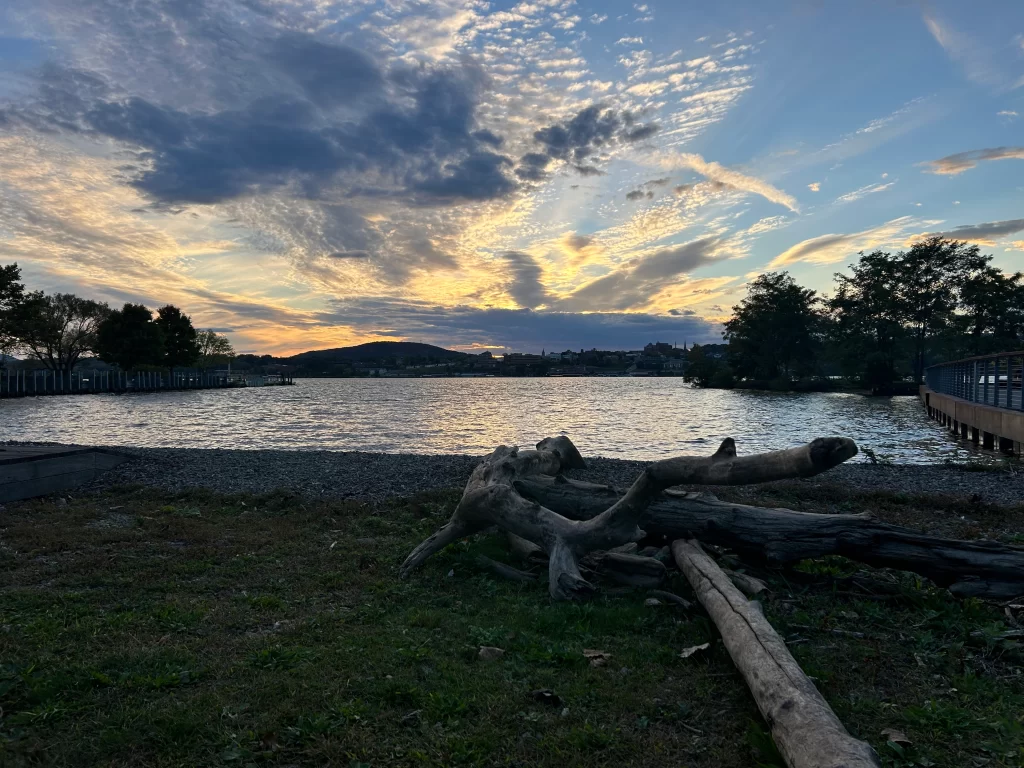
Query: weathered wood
{"x": 628, "y": 570}
{"x": 503, "y": 570}
{"x": 804, "y": 727}
{"x": 491, "y": 498}
{"x": 983, "y": 569}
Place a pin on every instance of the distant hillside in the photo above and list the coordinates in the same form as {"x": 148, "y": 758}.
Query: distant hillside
{"x": 374, "y": 350}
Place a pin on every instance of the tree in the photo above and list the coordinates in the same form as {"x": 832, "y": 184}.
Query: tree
{"x": 57, "y": 330}
{"x": 867, "y": 319}
{"x": 774, "y": 331}
{"x": 931, "y": 276}
{"x": 705, "y": 371}
{"x": 993, "y": 311}
{"x": 12, "y": 293}
{"x": 129, "y": 338}
{"x": 181, "y": 347}
{"x": 214, "y": 349}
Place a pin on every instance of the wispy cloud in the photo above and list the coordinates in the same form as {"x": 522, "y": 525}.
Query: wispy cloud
{"x": 814, "y": 186}
{"x": 829, "y": 249}
{"x": 951, "y": 165}
{"x": 986, "y": 233}
{"x": 864, "y": 191}
{"x": 980, "y": 60}
{"x": 717, "y": 172}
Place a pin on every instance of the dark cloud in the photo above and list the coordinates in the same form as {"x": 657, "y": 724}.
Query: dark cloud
{"x": 592, "y": 130}
{"x": 713, "y": 185}
{"x": 639, "y": 194}
{"x": 657, "y": 182}
{"x": 349, "y": 255}
{"x": 417, "y": 138}
{"x": 329, "y": 74}
{"x": 518, "y": 329}
{"x": 578, "y": 242}
{"x": 525, "y": 287}
{"x": 532, "y": 165}
{"x": 637, "y": 282}
{"x": 986, "y": 232}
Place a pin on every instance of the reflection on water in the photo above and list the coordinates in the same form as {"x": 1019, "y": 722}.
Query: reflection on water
{"x": 623, "y": 418}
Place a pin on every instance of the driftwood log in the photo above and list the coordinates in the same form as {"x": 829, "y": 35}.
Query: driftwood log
{"x": 804, "y": 727}
{"x": 983, "y": 569}
{"x": 492, "y": 498}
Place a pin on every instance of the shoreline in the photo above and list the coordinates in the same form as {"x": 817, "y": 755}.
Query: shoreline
{"x": 375, "y": 477}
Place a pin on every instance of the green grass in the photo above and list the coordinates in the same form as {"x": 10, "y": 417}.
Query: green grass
{"x": 195, "y": 629}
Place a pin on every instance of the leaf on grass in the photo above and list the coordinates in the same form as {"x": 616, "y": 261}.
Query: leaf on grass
{"x": 896, "y": 737}
{"x": 490, "y": 653}
{"x": 688, "y": 652}
{"x": 597, "y": 658}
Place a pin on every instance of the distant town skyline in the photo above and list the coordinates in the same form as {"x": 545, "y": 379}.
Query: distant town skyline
{"x": 494, "y": 175}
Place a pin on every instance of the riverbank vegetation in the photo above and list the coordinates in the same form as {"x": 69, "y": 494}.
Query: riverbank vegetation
{"x": 885, "y": 322}
{"x": 199, "y": 629}
{"x": 57, "y": 332}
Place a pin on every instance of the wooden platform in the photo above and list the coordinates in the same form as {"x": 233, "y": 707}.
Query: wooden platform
{"x": 27, "y": 471}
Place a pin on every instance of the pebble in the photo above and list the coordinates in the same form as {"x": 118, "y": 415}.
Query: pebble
{"x": 377, "y": 476}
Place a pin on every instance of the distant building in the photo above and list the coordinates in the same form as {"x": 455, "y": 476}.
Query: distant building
{"x": 659, "y": 348}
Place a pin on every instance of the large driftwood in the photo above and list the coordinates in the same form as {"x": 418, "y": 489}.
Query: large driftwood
{"x": 804, "y": 727}
{"x": 984, "y": 569}
{"x": 491, "y": 498}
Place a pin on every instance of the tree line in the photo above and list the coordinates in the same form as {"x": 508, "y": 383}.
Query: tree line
{"x": 57, "y": 330}
{"x": 894, "y": 315}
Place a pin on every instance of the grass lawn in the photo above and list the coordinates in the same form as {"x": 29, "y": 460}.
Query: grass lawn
{"x": 140, "y": 628}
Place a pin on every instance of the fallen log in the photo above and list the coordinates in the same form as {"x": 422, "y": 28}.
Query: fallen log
{"x": 983, "y": 569}
{"x": 491, "y": 498}
{"x": 804, "y": 727}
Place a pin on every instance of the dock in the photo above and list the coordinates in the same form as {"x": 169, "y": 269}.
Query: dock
{"x": 27, "y": 471}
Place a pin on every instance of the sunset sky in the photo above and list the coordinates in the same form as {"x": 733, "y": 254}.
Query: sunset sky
{"x": 303, "y": 174}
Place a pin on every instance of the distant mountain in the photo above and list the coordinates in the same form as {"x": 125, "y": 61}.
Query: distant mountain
{"x": 372, "y": 351}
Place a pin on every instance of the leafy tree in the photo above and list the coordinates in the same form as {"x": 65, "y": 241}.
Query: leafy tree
{"x": 12, "y": 293}
{"x": 57, "y": 330}
{"x": 931, "y": 275}
{"x": 992, "y": 306}
{"x": 214, "y": 349}
{"x": 706, "y": 371}
{"x": 181, "y": 347}
{"x": 867, "y": 319}
{"x": 774, "y": 331}
{"x": 129, "y": 338}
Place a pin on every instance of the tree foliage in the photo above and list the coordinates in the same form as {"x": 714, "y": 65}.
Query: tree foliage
{"x": 57, "y": 329}
{"x": 12, "y": 293}
{"x": 214, "y": 349}
{"x": 180, "y": 346}
{"x": 774, "y": 332}
{"x": 129, "y": 338}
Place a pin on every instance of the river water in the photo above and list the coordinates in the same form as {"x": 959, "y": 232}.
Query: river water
{"x": 617, "y": 417}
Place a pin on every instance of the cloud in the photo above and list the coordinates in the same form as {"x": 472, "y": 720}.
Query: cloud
{"x": 525, "y": 287}
{"x": 639, "y": 194}
{"x": 717, "y": 172}
{"x": 630, "y": 41}
{"x": 637, "y": 282}
{"x": 864, "y": 191}
{"x": 814, "y": 186}
{"x": 951, "y": 165}
{"x": 424, "y": 143}
{"x": 592, "y": 130}
{"x": 986, "y": 233}
{"x": 829, "y": 249}
{"x": 980, "y": 61}
{"x": 1007, "y": 113}
{"x": 464, "y": 326}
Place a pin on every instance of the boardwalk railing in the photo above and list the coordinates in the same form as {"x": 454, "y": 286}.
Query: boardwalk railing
{"x": 993, "y": 380}
{"x": 23, "y": 383}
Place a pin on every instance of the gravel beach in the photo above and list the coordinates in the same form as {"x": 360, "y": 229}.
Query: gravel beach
{"x": 376, "y": 476}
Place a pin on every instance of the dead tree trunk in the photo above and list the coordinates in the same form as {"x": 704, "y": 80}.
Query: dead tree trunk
{"x": 491, "y": 498}
{"x": 804, "y": 727}
{"x": 984, "y": 569}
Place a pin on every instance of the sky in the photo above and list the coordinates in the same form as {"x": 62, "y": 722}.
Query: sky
{"x": 303, "y": 174}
